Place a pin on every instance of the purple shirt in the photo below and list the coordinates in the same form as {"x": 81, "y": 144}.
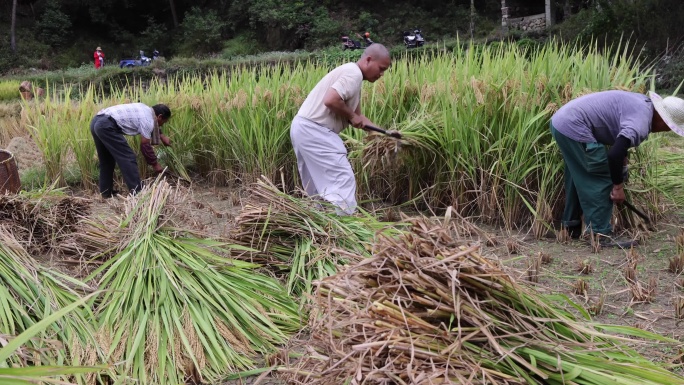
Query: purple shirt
{"x": 603, "y": 116}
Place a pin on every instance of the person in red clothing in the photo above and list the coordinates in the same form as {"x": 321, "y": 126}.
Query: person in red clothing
{"x": 99, "y": 58}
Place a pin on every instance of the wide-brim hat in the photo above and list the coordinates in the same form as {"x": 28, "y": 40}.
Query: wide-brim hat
{"x": 98, "y": 49}
{"x": 671, "y": 109}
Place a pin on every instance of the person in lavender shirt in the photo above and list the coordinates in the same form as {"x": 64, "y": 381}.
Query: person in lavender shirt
{"x": 594, "y": 133}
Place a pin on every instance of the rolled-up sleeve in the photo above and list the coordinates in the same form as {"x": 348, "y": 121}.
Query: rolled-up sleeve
{"x": 148, "y": 153}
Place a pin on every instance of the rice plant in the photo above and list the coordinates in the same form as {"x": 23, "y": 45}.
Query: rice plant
{"x": 32, "y": 299}
{"x": 176, "y": 307}
{"x": 15, "y": 349}
{"x": 475, "y": 121}
{"x": 9, "y": 90}
{"x": 303, "y": 238}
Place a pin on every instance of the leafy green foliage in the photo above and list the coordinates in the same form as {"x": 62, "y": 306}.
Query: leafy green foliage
{"x": 266, "y": 25}
{"x": 154, "y": 35}
{"x": 29, "y": 52}
{"x": 9, "y": 90}
{"x": 656, "y": 22}
{"x": 336, "y": 56}
{"x": 242, "y": 44}
{"x": 54, "y": 25}
{"x": 324, "y": 29}
{"x": 202, "y": 31}
{"x": 367, "y": 21}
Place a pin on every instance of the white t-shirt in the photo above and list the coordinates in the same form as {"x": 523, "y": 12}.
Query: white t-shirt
{"x": 346, "y": 80}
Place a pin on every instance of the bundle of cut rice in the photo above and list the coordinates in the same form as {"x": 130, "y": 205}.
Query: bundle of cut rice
{"x": 428, "y": 309}
{"x": 176, "y": 306}
{"x": 40, "y": 221}
{"x": 302, "y": 237}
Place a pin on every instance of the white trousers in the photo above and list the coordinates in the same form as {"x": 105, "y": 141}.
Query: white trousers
{"x": 323, "y": 166}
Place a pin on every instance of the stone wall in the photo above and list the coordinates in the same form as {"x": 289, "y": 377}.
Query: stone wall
{"x": 527, "y": 23}
{"x": 512, "y": 9}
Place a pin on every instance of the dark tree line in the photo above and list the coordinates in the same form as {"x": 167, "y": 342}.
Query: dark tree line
{"x": 203, "y": 27}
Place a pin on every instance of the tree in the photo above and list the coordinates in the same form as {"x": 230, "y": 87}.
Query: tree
{"x": 202, "y": 31}
{"x": 13, "y": 26}
{"x": 54, "y": 25}
{"x": 173, "y": 13}
{"x": 472, "y": 18}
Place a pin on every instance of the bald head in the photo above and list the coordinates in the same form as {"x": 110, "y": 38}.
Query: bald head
{"x": 376, "y": 51}
{"x": 374, "y": 61}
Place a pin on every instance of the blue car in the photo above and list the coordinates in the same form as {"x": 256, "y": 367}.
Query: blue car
{"x": 142, "y": 62}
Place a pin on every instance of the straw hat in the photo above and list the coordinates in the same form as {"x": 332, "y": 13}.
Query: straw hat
{"x": 98, "y": 49}
{"x": 671, "y": 109}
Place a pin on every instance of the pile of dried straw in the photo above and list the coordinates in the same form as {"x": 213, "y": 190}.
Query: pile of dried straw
{"x": 427, "y": 309}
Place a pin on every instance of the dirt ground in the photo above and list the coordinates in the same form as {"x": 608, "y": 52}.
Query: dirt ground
{"x": 213, "y": 209}
{"x": 604, "y": 274}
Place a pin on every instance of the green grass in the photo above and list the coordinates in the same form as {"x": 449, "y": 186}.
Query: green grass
{"x": 9, "y": 90}
{"x": 33, "y": 178}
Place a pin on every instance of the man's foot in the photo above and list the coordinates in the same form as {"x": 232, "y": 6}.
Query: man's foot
{"x": 108, "y": 195}
{"x": 617, "y": 242}
{"x": 575, "y": 231}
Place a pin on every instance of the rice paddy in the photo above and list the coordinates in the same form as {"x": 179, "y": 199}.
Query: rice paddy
{"x": 414, "y": 289}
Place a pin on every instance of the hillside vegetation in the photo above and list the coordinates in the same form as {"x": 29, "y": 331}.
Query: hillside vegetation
{"x": 56, "y": 34}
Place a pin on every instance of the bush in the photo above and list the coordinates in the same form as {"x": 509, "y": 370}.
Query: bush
{"x": 201, "y": 32}
{"x": 242, "y": 44}
{"x": 335, "y": 55}
{"x": 9, "y": 90}
{"x": 615, "y": 20}
{"x": 669, "y": 70}
{"x": 54, "y": 25}
{"x": 30, "y": 53}
{"x": 324, "y": 30}
{"x": 155, "y": 36}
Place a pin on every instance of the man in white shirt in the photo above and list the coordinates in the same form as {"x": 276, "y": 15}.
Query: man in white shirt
{"x": 108, "y": 128}
{"x": 334, "y": 103}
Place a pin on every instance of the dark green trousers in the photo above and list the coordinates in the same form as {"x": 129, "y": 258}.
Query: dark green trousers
{"x": 587, "y": 184}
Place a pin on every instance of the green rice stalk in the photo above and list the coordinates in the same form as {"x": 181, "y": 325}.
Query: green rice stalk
{"x": 43, "y": 374}
{"x": 176, "y": 307}
{"x": 30, "y": 293}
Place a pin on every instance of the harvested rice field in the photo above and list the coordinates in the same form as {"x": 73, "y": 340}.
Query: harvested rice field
{"x": 454, "y": 271}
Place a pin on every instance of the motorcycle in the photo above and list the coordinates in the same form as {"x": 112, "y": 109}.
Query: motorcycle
{"x": 348, "y": 43}
{"x": 366, "y": 38}
{"x": 414, "y": 39}
{"x": 142, "y": 62}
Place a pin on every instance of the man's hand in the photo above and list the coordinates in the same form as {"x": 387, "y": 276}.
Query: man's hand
{"x": 166, "y": 140}
{"x": 618, "y": 194}
{"x": 157, "y": 168}
{"x": 359, "y": 121}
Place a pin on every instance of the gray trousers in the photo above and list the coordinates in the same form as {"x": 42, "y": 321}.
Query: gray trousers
{"x": 323, "y": 166}
{"x": 113, "y": 149}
